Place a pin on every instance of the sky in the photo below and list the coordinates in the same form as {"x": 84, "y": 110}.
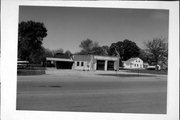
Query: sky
{"x": 68, "y": 26}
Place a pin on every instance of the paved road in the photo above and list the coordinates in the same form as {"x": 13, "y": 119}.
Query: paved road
{"x": 68, "y": 90}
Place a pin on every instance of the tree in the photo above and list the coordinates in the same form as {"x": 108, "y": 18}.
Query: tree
{"x": 88, "y": 46}
{"x": 116, "y": 49}
{"x": 30, "y": 37}
{"x": 56, "y": 51}
{"x": 97, "y": 50}
{"x": 48, "y": 52}
{"x": 158, "y": 48}
{"x": 126, "y": 49}
{"x": 130, "y": 49}
{"x": 68, "y": 53}
{"x": 106, "y": 50}
{"x": 146, "y": 56}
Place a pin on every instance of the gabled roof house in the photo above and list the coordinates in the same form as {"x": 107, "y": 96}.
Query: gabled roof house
{"x": 133, "y": 63}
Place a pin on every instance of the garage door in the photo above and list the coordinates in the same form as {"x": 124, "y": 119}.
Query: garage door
{"x": 64, "y": 65}
{"x": 110, "y": 65}
{"x": 100, "y": 64}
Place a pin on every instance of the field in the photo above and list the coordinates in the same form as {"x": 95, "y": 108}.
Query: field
{"x": 93, "y": 91}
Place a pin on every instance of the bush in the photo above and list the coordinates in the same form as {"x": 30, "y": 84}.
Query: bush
{"x": 35, "y": 68}
{"x": 34, "y": 65}
{"x": 30, "y": 72}
{"x": 31, "y": 69}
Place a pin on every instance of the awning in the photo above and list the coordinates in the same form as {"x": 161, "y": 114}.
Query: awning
{"x": 59, "y": 59}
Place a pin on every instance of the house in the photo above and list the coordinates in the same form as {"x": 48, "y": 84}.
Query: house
{"x": 95, "y": 62}
{"x": 133, "y": 63}
{"x": 60, "y": 61}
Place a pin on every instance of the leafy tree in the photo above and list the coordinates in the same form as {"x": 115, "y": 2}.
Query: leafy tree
{"x": 124, "y": 49}
{"x": 40, "y": 54}
{"x": 86, "y": 46}
{"x": 30, "y": 37}
{"x": 116, "y": 49}
{"x": 60, "y": 50}
{"x": 144, "y": 55}
{"x": 90, "y": 47}
{"x": 158, "y": 48}
{"x": 52, "y": 53}
{"x": 68, "y": 53}
{"x": 97, "y": 50}
{"x": 48, "y": 52}
{"x": 106, "y": 50}
{"x": 130, "y": 49}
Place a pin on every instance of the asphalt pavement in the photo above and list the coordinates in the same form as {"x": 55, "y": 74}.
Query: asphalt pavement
{"x": 93, "y": 91}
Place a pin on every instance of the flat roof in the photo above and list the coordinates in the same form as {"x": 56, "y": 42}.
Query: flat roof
{"x": 98, "y": 57}
{"x": 23, "y": 62}
{"x": 59, "y": 59}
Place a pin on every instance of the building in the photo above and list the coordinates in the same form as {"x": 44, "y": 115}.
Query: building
{"x": 145, "y": 65}
{"x": 95, "y": 62}
{"x": 60, "y": 61}
{"x": 83, "y": 62}
{"x": 133, "y": 63}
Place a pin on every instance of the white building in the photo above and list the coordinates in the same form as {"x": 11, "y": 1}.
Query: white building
{"x": 83, "y": 62}
{"x": 95, "y": 62}
{"x": 133, "y": 63}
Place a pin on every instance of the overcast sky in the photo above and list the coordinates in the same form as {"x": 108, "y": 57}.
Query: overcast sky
{"x": 68, "y": 26}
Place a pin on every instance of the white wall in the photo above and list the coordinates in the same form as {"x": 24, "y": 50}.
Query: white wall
{"x": 86, "y": 65}
{"x": 138, "y": 63}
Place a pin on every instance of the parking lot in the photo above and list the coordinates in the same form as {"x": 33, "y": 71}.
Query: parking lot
{"x": 93, "y": 91}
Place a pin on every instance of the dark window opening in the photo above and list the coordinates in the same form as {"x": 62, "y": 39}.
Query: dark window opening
{"x": 77, "y": 63}
{"x": 82, "y": 63}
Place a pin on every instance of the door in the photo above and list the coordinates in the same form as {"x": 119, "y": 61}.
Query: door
{"x": 100, "y": 64}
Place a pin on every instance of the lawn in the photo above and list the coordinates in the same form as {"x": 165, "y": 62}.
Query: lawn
{"x": 148, "y": 71}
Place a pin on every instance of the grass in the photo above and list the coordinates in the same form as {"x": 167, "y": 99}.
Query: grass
{"x": 127, "y": 75}
{"x": 148, "y": 71}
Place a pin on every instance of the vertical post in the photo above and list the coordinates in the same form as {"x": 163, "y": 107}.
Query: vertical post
{"x": 95, "y": 65}
{"x": 105, "y": 66}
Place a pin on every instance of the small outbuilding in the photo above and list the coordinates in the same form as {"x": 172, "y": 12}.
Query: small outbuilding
{"x": 145, "y": 65}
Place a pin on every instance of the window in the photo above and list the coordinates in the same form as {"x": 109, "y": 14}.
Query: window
{"x": 82, "y": 63}
{"x": 77, "y": 63}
